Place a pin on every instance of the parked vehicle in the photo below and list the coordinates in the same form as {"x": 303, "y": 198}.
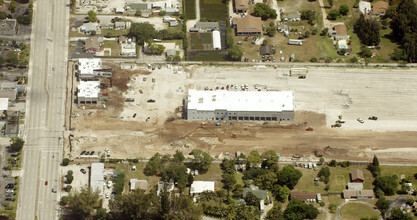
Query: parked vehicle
{"x": 151, "y": 100}
{"x": 360, "y": 120}
{"x": 373, "y": 118}
{"x": 82, "y": 152}
{"x": 83, "y": 171}
{"x": 54, "y": 189}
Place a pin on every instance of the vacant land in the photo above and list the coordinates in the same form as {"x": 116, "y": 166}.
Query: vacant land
{"x": 190, "y": 10}
{"x": 357, "y": 211}
{"x": 213, "y": 10}
{"x": 318, "y": 102}
{"x": 113, "y": 45}
{"x": 201, "y": 41}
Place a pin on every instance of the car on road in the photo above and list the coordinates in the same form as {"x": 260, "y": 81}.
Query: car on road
{"x": 82, "y": 152}
{"x": 46, "y": 183}
{"x": 360, "y": 120}
{"x": 87, "y": 153}
{"x": 373, "y": 118}
{"x": 54, "y": 189}
{"x": 92, "y": 153}
{"x": 83, "y": 171}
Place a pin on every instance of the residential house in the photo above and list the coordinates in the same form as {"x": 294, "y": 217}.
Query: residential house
{"x": 356, "y": 176}
{"x": 128, "y": 49}
{"x": 358, "y": 194}
{"x": 379, "y": 8}
{"x": 356, "y": 186}
{"x": 340, "y": 32}
{"x": 305, "y": 197}
{"x": 169, "y": 186}
{"x": 142, "y": 6}
{"x": 200, "y": 186}
{"x": 205, "y": 27}
{"x": 283, "y": 27}
{"x": 92, "y": 45}
{"x": 248, "y": 25}
{"x": 294, "y": 16}
{"x": 122, "y": 40}
{"x": 364, "y": 7}
{"x": 260, "y": 194}
{"x": 119, "y": 25}
{"x": 8, "y": 27}
{"x": 138, "y": 184}
{"x": 173, "y": 23}
{"x": 266, "y": 50}
{"x": 241, "y": 6}
{"x": 88, "y": 28}
{"x": 171, "y": 11}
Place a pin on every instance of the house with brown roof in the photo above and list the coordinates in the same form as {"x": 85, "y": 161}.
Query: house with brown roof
{"x": 356, "y": 176}
{"x": 379, "y": 8}
{"x": 92, "y": 45}
{"x": 241, "y": 6}
{"x": 340, "y": 32}
{"x": 248, "y": 25}
{"x": 358, "y": 194}
{"x": 305, "y": 197}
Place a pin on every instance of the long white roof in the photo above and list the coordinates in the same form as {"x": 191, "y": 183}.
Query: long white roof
{"x": 269, "y": 101}
{"x": 201, "y": 186}
{"x": 88, "y": 65}
{"x": 89, "y": 89}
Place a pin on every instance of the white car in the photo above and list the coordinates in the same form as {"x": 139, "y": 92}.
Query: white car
{"x": 361, "y": 120}
{"x": 107, "y": 195}
{"x": 109, "y": 184}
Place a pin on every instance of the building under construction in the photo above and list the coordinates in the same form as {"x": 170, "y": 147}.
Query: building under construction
{"x": 240, "y": 105}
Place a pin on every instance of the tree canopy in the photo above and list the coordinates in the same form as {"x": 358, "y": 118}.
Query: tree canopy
{"x": 92, "y": 16}
{"x": 254, "y": 159}
{"x": 289, "y": 176}
{"x": 387, "y": 184}
{"x": 16, "y": 144}
{"x": 297, "y": 209}
{"x": 368, "y": 30}
{"x": 382, "y": 204}
{"x": 344, "y": 9}
{"x": 142, "y": 31}
{"x": 201, "y": 161}
{"x": 234, "y": 53}
{"x": 83, "y": 203}
{"x": 264, "y": 11}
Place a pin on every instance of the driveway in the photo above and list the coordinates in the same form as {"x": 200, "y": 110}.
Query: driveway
{"x": 274, "y": 5}
{"x": 326, "y": 23}
{"x": 360, "y": 202}
{"x": 191, "y": 23}
{"x": 396, "y": 203}
{"x": 156, "y": 21}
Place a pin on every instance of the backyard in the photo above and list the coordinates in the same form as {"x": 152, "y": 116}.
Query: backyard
{"x": 126, "y": 168}
{"x": 201, "y": 41}
{"x": 213, "y": 10}
{"x": 190, "y": 12}
{"x": 113, "y": 45}
{"x": 357, "y": 211}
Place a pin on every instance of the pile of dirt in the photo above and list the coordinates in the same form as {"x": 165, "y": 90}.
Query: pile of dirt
{"x": 121, "y": 77}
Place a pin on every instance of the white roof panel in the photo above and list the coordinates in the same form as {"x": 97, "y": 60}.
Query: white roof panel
{"x": 241, "y": 100}
{"x": 4, "y": 104}
{"x": 201, "y": 186}
{"x": 89, "y": 89}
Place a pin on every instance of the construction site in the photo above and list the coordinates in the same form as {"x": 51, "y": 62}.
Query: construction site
{"x": 143, "y": 112}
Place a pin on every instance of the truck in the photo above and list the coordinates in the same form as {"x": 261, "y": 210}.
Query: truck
{"x": 299, "y": 72}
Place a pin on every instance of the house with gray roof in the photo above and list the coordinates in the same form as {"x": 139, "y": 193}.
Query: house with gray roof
{"x": 260, "y": 194}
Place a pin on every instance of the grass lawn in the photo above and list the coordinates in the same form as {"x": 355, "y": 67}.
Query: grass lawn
{"x": 339, "y": 177}
{"x": 214, "y": 173}
{"x": 213, "y": 10}
{"x": 113, "y": 33}
{"x": 306, "y": 183}
{"x": 398, "y": 170}
{"x": 195, "y": 41}
{"x": 383, "y": 55}
{"x": 189, "y": 8}
{"x": 130, "y": 174}
{"x": 115, "y": 47}
{"x": 76, "y": 34}
{"x": 207, "y": 55}
{"x": 357, "y": 211}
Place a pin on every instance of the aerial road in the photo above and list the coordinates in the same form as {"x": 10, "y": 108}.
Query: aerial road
{"x": 44, "y": 128}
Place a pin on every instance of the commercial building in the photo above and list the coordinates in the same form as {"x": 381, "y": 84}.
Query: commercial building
{"x": 200, "y": 186}
{"x": 240, "y": 105}
{"x": 88, "y": 92}
{"x": 97, "y": 177}
{"x": 87, "y": 67}
{"x": 217, "y": 44}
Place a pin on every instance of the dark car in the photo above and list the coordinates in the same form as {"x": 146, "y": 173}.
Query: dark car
{"x": 151, "y": 100}
{"x": 83, "y": 171}
{"x": 9, "y": 186}
{"x": 87, "y": 153}
{"x": 300, "y": 38}
{"x": 134, "y": 115}
{"x": 92, "y": 152}
{"x": 373, "y": 118}
{"x": 82, "y": 152}
{"x": 9, "y": 199}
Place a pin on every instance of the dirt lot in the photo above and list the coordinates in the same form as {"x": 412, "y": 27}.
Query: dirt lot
{"x": 318, "y": 102}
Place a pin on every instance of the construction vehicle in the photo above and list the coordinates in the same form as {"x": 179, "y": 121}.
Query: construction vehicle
{"x": 309, "y": 129}
{"x": 340, "y": 116}
{"x": 218, "y": 122}
{"x": 203, "y": 124}
{"x": 234, "y": 135}
{"x": 340, "y": 121}
{"x": 337, "y": 125}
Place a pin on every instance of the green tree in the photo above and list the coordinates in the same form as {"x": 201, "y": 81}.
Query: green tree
{"x": 154, "y": 165}
{"x": 264, "y": 11}
{"x": 142, "y": 31}
{"x": 330, "y": 3}
{"x": 83, "y": 203}
{"x": 310, "y": 16}
{"x": 70, "y": 178}
{"x": 332, "y": 208}
{"x": 289, "y": 176}
{"x": 324, "y": 174}
{"x": 66, "y": 161}
{"x": 13, "y": 6}
{"x": 235, "y": 53}
{"x": 101, "y": 214}
{"x": 269, "y": 159}
{"x": 398, "y": 214}
{"x": 275, "y": 213}
{"x": 229, "y": 181}
{"x": 92, "y": 16}
{"x": 254, "y": 159}
{"x": 177, "y": 172}
{"x": 190, "y": 179}
{"x": 382, "y": 204}
{"x": 298, "y": 210}
{"x": 179, "y": 156}
{"x": 64, "y": 200}
{"x": 368, "y": 30}
{"x": 24, "y": 19}
{"x": 282, "y": 193}
{"x": 156, "y": 49}
{"x": 375, "y": 161}
{"x": 344, "y": 9}
{"x": 138, "y": 13}
{"x": 271, "y": 31}
{"x": 366, "y": 53}
{"x": 127, "y": 206}
{"x": 3, "y": 15}
{"x": 333, "y": 14}
{"x": 16, "y": 144}
{"x": 267, "y": 180}
{"x": 387, "y": 184}
{"x": 251, "y": 199}
{"x": 228, "y": 166}
{"x": 12, "y": 58}
{"x": 201, "y": 161}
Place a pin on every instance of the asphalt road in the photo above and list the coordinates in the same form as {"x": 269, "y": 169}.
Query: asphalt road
{"x": 45, "y": 108}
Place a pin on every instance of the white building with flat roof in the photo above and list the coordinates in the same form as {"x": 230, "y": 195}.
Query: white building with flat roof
{"x": 240, "y": 105}
{"x": 200, "y": 186}
{"x": 88, "y": 92}
{"x": 217, "y": 45}
{"x": 97, "y": 177}
{"x": 86, "y": 67}
{"x": 4, "y": 104}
